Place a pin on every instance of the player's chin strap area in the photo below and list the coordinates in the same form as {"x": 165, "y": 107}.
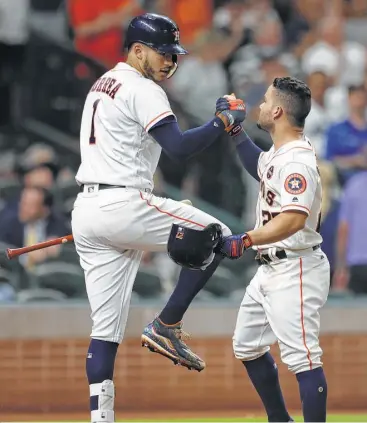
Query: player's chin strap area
{"x": 175, "y": 66}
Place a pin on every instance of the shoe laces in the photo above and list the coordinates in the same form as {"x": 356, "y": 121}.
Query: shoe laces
{"x": 181, "y": 334}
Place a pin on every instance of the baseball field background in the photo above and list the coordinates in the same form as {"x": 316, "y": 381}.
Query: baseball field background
{"x": 42, "y": 361}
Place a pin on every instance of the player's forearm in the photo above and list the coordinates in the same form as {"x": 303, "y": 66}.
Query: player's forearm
{"x": 248, "y": 152}
{"x": 281, "y": 227}
{"x": 182, "y": 145}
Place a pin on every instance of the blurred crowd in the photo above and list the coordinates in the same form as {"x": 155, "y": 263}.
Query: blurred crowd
{"x": 235, "y": 46}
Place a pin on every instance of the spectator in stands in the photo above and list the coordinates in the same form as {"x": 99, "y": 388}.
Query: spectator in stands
{"x": 336, "y": 101}
{"x": 266, "y": 41}
{"x": 298, "y": 17}
{"x": 351, "y": 258}
{"x": 98, "y": 27}
{"x": 346, "y": 142}
{"x": 303, "y": 18}
{"x": 42, "y": 175}
{"x": 329, "y": 210}
{"x": 270, "y": 68}
{"x": 355, "y": 8}
{"x": 193, "y": 17}
{"x": 318, "y": 120}
{"x": 231, "y": 11}
{"x": 198, "y": 94}
{"x": 14, "y": 35}
{"x": 36, "y": 221}
{"x": 343, "y": 60}
{"x": 36, "y": 167}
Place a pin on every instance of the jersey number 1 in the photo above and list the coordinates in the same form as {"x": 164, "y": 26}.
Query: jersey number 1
{"x": 92, "y": 138}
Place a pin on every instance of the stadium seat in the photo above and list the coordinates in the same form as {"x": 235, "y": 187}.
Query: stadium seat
{"x": 65, "y": 277}
{"x": 222, "y": 283}
{"x": 7, "y": 286}
{"x": 6, "y": 276}
{"x": 40, "y": 294}
{"x": 147, "y": 283}
{"x": 67, "y": 254}
{"x": 67, "y": 206}
{"x": 9, "y": 188}
{"x": 18, "y": 278}
{"x": 67, "y": 190}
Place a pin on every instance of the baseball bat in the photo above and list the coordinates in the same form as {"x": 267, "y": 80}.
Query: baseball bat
{"x": 15, "y": 252}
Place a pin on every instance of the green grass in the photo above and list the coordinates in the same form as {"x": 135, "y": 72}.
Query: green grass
{"x": 355, "y": 417}
{"x": 331, "y": 418}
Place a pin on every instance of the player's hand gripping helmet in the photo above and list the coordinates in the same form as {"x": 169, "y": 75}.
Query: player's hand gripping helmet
{"x": 193, "y": 248}
{"x": 157, "y": 32}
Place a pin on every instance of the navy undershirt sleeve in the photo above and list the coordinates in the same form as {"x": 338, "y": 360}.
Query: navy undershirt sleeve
{"x": 249, "y": 153}
{"x": 183, "y": 145}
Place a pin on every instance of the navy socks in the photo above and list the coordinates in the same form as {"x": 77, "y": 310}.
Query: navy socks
{"x": 313, "y": 392}
{"x": 312, "y": 387}
{"x": 263, "y": 373}
{"x": 100, "y": 364}
{"x": 189, "y": 284}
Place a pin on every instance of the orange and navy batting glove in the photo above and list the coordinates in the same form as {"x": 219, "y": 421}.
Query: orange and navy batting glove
{"x": 234, "y": 246}
{"x": 232, "y": 112}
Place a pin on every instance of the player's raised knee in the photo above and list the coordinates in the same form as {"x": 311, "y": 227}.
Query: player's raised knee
{"x": 225, "y": 230}
{"x": 245, "y": 351}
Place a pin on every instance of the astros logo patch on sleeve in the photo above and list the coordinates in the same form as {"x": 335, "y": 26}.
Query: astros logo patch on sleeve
{"x": 295, "y": 184}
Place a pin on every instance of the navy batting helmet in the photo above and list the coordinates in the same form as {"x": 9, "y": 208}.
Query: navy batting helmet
{"x": 157, "y": 32}
{"x": 193, "y": 248}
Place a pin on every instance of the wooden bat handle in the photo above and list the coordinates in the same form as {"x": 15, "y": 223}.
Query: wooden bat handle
{"x": 15, "y": 252}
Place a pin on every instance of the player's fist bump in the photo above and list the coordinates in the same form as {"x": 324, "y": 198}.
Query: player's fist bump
{"x": 232, "y": 112}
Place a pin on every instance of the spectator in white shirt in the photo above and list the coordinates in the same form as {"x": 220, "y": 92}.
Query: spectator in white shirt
{"x": 343, "y": 60}
{"x": 318, "y": 120}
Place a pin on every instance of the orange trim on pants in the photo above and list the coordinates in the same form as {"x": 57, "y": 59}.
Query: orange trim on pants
{"x": 302, "y": 314}
{"x": 170, "y": 214}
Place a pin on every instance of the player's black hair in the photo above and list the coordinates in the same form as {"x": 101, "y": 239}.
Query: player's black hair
{"x": 295, "y": 97}
{"x": 354, "y": 88}
{"x": 48, "y": 198}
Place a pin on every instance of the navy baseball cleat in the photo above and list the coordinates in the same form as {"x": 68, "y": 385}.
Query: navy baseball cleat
{"x": 169, "y": 342}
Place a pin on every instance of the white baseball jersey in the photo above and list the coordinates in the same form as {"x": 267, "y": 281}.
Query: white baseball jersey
{"x": 289, "y": 180}
{"x": 116, "y": 148}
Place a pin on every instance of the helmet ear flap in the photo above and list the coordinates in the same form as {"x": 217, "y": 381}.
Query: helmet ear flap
{"x": 193, "y": 248}
{"x": 216, "y": 232}
{"x": 175, "y": 66}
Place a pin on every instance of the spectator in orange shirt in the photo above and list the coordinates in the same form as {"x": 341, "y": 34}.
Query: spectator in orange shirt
{"x": 98, "y": 27}
{"x": 191, "y": 16}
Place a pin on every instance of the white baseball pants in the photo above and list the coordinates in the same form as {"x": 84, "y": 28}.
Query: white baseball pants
{"x": 282, "y": 303}
{"x": 111, "y": 229}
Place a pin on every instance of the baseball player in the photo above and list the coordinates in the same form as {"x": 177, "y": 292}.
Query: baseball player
{"x": 283, "y": 300}
{"x": 127, "y": 120}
